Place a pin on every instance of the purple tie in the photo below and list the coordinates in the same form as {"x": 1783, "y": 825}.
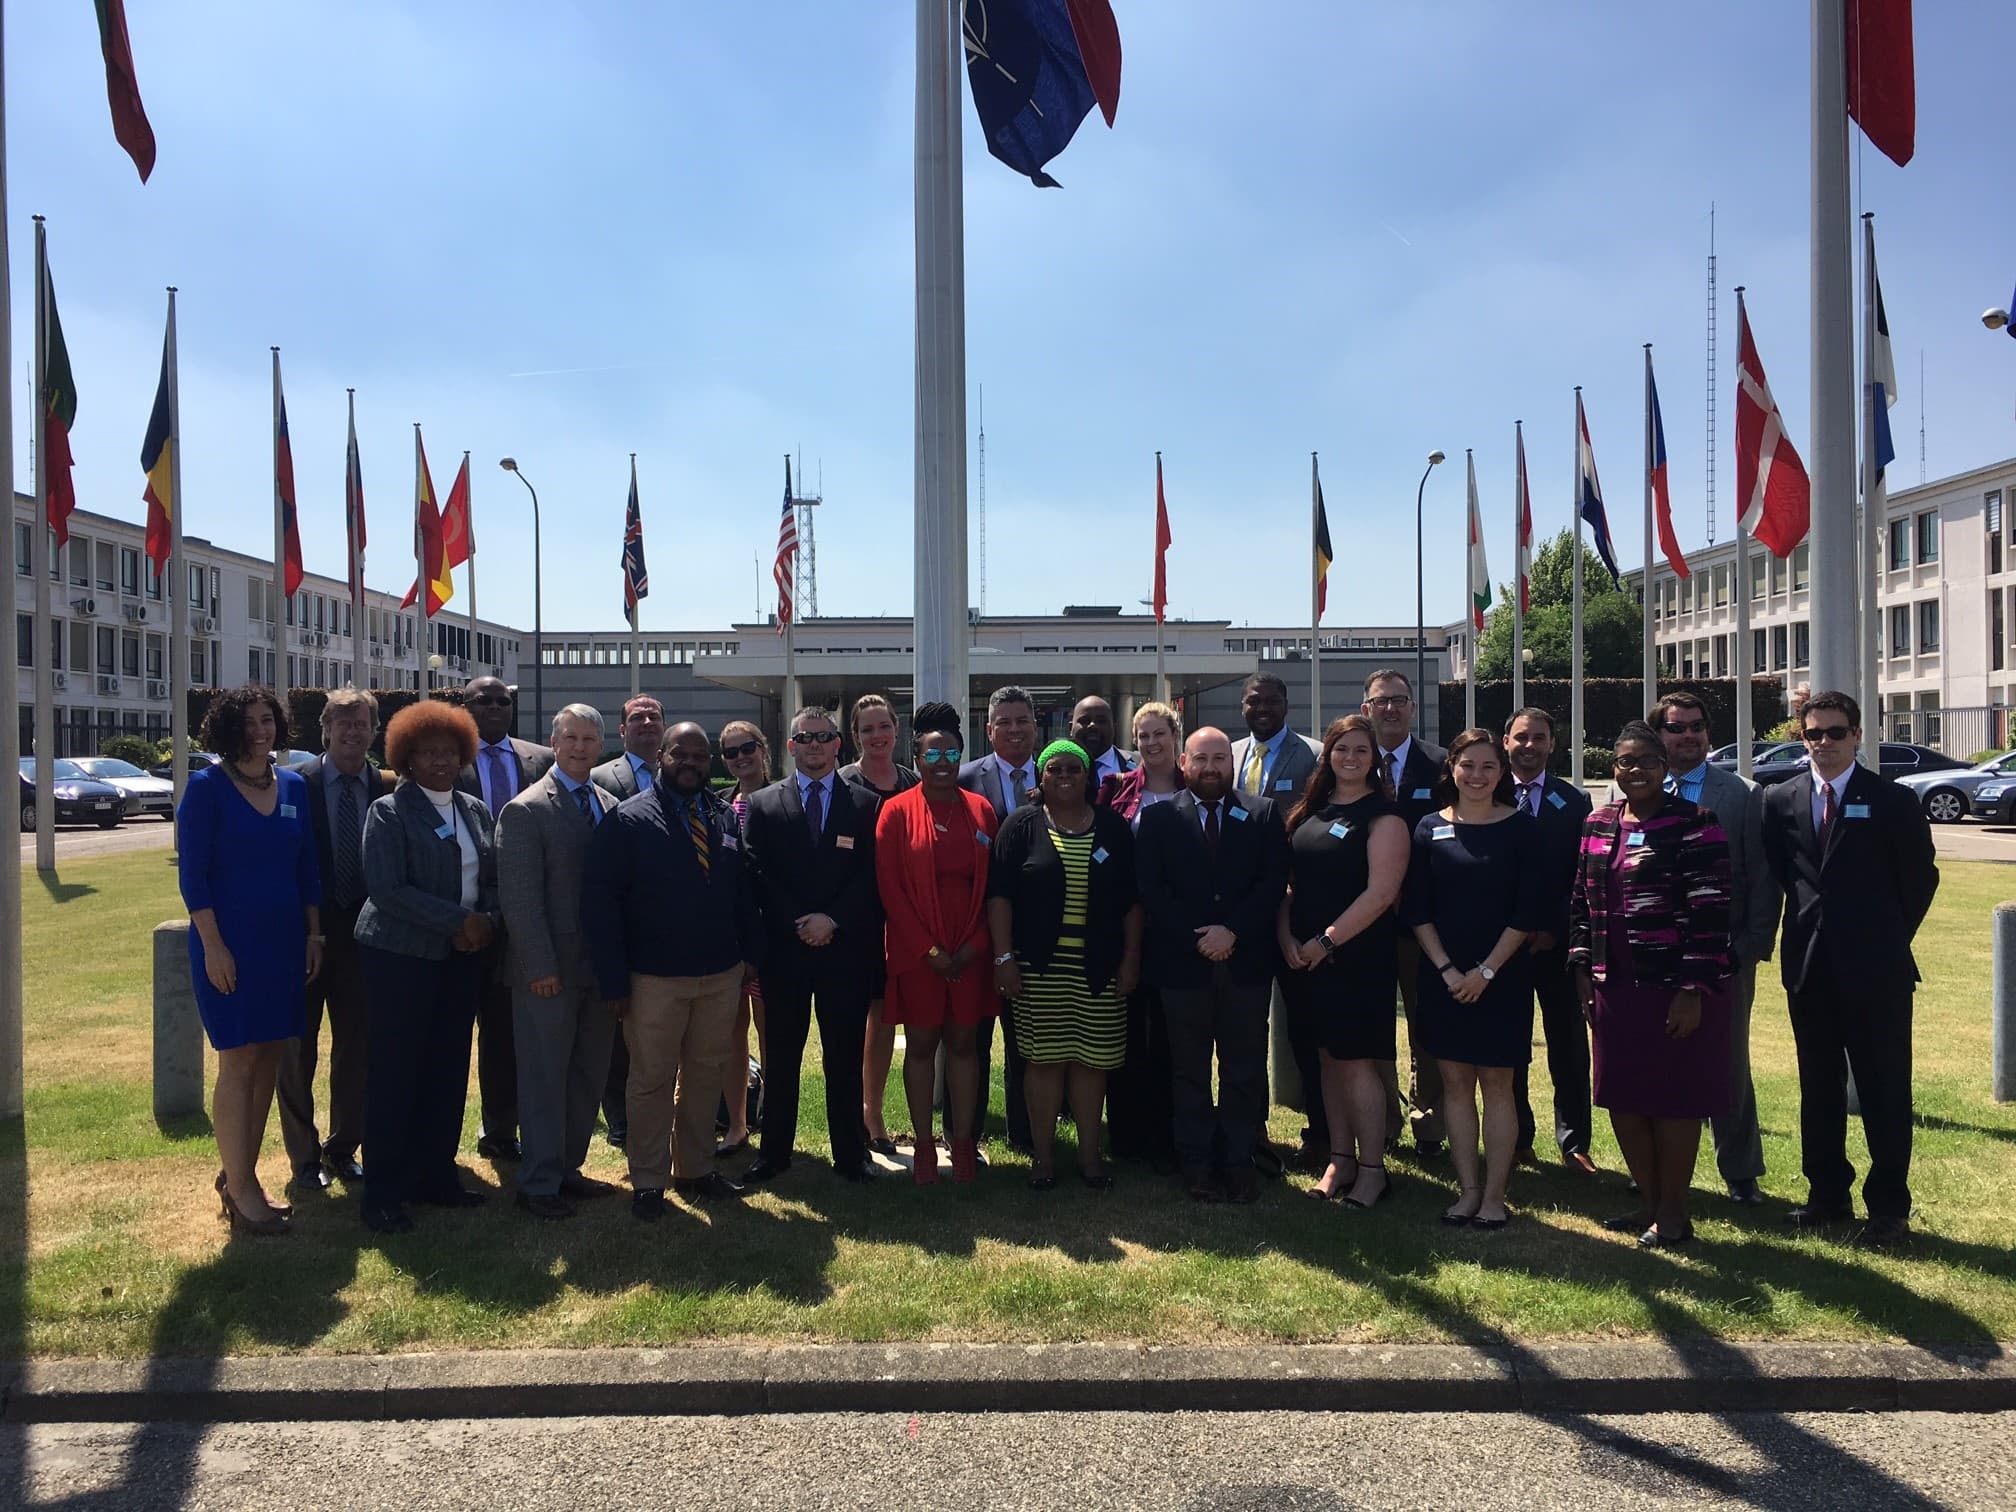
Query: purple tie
{"x": 815, "y": 809}
{"x": 500, "y": 779}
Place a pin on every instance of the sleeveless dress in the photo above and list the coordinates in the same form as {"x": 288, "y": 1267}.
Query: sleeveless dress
{"x": 1348, "y": 999}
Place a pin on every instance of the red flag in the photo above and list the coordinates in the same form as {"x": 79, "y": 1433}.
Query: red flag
{"x": 1771, "y": 481}
{"x": 1098, "y": 37}
{"x": 458, "y": 541}
{"x": 122, "y": 87}
{"x": 427, "y": 533}
{"x": 1662, "y": 499}
{"x": 290, "y": 519}
{"x": 1882, "y": 86}
{"x": 1162, "y": 540}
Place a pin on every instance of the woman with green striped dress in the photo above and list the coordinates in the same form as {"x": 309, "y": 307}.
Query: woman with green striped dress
{"x": 1067, "y": 951}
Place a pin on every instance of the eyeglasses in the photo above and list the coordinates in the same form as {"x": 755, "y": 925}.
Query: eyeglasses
{"x": 737, "y": 752}
{"x": 814, "y": 737}
{"x": 949, "y": 756}
{"x": 1691, "y": 727}
{"x": 1638, "y": 763}
{"x": 1814, "y": 734}
{"x": 1396, "y": 701}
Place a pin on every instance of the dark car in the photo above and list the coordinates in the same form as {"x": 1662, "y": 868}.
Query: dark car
{"x": 79, "y": 800}
{"x": 1897, "y": 760}
{"x": 1761, "y": 751}
{"x": 197, "y": 761}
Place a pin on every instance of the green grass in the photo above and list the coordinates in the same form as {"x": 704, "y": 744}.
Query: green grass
{"x": 124, "y": 1255}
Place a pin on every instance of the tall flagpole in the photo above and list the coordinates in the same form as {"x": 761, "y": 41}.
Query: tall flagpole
{"x": 1834, "y": 598}
{"x": 1315, "y": 605}
{"x": 359, "y": 640}
{"x": 1744, "y": 668}
{"x": 469, "y": 536}
{"x": 181, "y": 615}
{"x": 279, "y": 536}
{"x": 1520, "y": 509}
{"x": 1162, "y": 582}
{"x": 1575, "y": 701}
{"x": 422, "y": 576}
{"x": 1873, "y": 502}
{"x": 1473, "y": 518}
{"x": 10, "y": 727}
{"x": 636, "y": 605}
{"x": 790, "y": 592}
{"x": 1651, "y": 650}
{"x": 48, "y": 653}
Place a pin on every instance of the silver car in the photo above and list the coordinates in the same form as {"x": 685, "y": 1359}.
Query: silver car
{"x": 1949, "y": 797}
{"x": 144, "y": 794}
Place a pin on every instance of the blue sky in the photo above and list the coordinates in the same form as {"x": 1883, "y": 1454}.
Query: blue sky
{"x": 572, "y": 232}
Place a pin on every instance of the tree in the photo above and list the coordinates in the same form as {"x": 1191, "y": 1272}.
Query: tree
{"x": 1612, "y": 627}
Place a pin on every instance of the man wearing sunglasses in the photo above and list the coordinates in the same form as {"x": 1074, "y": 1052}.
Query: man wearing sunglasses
{"x": 810, "y": 845}
{"x": 1853, "y": 852}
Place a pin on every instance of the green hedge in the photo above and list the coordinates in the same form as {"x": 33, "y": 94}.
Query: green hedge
{"x": 1609, "y": 703}
{"x": 304, "y": 713}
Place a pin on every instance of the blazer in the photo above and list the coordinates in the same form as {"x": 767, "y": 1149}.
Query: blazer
{"x": 1673, "y": 895}
{"x": 534, "y": 761}
{"x": 1856, "y": 907}
{"x": 906, "y": 878}
{"x": 793, "y": 877}
{"x": 617, "y": 777}
{"x": 1293, "y": 763}
{"x": 1027, "y": 871}
{"x": 646, "y": 905}
{"x": 415, "y": 876}
{"x": 982, "y": 776}
{"x": 1414, "y": 793}
{"x": 1184, "y": 887}
{"x": 1756, "y": 900}
{"x": 1563, "y": 808}
{"x": 1121, "y": 791}
{"x": 375, "y": 787}
{"x": 542, "y": 846}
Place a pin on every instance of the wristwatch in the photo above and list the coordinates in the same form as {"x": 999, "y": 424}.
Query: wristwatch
{"x": 1487, "y": 973}
{"x": 1329, "y": 945}
{"x": 1004, "y": 958}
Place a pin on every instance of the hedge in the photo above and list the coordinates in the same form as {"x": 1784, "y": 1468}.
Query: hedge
{"x": 1609, "y": 703}
{"x": 304, "y": 712}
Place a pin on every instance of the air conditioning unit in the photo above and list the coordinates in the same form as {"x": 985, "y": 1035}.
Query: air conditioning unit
{"x": 157, "y": 688}
{"x": 204, "y": 624}
{"x": 137, "y": 613}
{"x": 85, "y": 608}
{"x": 108, "y": 685}
{"x": 59, "y": 680}
{"x": 321, "y": 637}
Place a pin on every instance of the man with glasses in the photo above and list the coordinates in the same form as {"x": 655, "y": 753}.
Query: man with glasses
{"x": 1853, "y": 852}
{"x": 630, "y": 771}
{"x": 504, "y": 767}
{"x": 1754, "y": 904}
{"x": 810, "y": 846}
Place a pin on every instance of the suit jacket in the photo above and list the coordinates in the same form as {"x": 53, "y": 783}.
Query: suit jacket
{"x": 415, "y": 874}
{"x": 1414, "y": 793}
{"x": 617, "y": 777}
{"x": 1857, "y": 906}
{"x": 534, "y": 761}
{"x": 542, "y": 846}
{"x": 984, "y": 777}
{"x": 1563, "y": 807}
{"x": 793, "y": 876}
{"x": 1673, "y": 897}
{"x": 1289, "y": 775}
{"x": 375, "y": 787}
{"x": 1184, "y": 887}
{"x": 1027, "y": 870}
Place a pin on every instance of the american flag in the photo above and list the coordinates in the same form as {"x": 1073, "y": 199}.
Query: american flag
{"x": 785, "y": 569}
{"x": 636, "y": 582}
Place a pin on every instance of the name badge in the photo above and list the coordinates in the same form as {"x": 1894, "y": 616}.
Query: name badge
{"x": 1339, "y": 830}
{"x": 1235, "y": 813}
{"x": 1855, "y": 811}
{"x": 1557, "y": 800}
{"x": 981, "y": 836}
{"x": 1443, "y": 832}
{"x": 287, "y": 811}
{"x": 1634, "y": 839}
{"x": 1099, "y": 854}
{"x": 1422, "y": 794}
{"x": 729, "y": 842}
{"x": 843, "y": 842}
{"x": 446, "y": 831}
{"x": 1285, "y": 785}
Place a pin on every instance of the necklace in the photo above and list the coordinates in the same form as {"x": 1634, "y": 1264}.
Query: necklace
{"x": 259, "y": 784}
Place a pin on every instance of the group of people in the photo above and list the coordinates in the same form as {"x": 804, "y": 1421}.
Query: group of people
{"x": 609, "y": 932}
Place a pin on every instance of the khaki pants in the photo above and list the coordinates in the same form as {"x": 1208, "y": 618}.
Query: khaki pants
{"x": 678, "y": 1030}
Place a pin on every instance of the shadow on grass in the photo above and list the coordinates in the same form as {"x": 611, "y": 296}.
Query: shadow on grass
{"x": 63, "y": 892}
{"x": 184, "y": 1127}
{"x": 13, "y": 1298}
{"x": 1941, "y": 1125}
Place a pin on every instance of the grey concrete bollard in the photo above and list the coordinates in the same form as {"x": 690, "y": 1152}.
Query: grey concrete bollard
{"x": 178, "y": 1028}
{"x": 2005, "y": 1002}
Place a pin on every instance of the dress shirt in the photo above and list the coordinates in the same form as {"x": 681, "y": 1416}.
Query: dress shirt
{"x": 1395, "y": 760}
{"x": 641, "y": 770}
{"x": 1106, "y": 763}
{"x": 1272, "y": 747}
{"x": 332, "y": 784}
{"x": 1688, "y": 784}
{"x": 572, "y": 787}
{"x": 1530, "y": 803}
{"x": 825, "y": 785}
{"x": 1840, "y": 786}
{"x": 444, "y": 805}
{"x": 496, "y": 801}
{"x": 1011, "y": 793}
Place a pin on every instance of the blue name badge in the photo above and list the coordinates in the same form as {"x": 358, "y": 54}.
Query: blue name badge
{"x": 1443, "y": 832}
{"x": 729, "y": 842}
{"x": 446, "y": 831}
{"x": 981, "y": 836}
{"x": 287, "y": 811}
{"x": 1285, "y": 785}
{"x": 1235, "y": 813}
{"x": 1557, "y": 800}
{"x": 1855, "y": 811}
{"x": 1634, "y": 839}
{"x": 1099, "y": 854}
{"x": 1423, "y": 794}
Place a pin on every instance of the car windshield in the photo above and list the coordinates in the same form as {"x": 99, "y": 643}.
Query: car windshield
{"x": 106, "y": 766}
{"x": 2004, "y": 761}
{"x": 66, "y": 771}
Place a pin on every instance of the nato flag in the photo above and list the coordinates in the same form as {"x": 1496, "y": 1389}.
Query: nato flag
{"x": 1030, "y": 78}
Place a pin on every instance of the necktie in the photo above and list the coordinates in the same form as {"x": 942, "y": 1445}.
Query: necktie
{"x": 1826, "y": 813}
{"x": 696, "y": 830}
{"x": 587, "y": 804}
{"x": 1256, "y": 763}
{"x": 1018, "y": 785}
{"x": 815, "y": 809}
{"x": 1391, "y": 778}
{"x": 1529, "y": 797}
{"x": 1211, "y": 827}
{"x": 349, "y": 850}
{"x": 499, "y": 778}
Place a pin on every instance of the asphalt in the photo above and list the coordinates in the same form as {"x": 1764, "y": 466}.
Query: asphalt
{"x": 711, "y": 1380}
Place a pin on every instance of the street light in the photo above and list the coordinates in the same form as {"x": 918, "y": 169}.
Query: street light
{"x": 1435, "y": 459}
{"x": 1997, "y": 320}
{"x": 510, "y": 465}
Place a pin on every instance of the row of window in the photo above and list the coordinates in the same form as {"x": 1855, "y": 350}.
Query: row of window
{"x": 1922, "y": 528}
{"x": 1924, "y": 615}
{"x": 86, "y": 649}
{"x": 650, "y": 653}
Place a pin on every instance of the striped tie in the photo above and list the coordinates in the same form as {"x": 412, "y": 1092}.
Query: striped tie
{"x": 696, "y": 829}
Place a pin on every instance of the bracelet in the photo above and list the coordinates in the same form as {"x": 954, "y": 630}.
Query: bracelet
{"x": 1004, "y": 958}
{"x": 1445, "y": 968}
{"x": 318, "y": 940}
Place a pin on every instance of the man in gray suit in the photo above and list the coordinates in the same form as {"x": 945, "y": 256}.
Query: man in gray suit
{"x": 632, "y": 769}
{"x": 561, "y": 1027}
{"x": 504, "y": 767}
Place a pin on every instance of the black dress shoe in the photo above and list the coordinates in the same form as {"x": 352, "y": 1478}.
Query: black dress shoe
{"x": 387, "y": 1221}
{"x": 452, "y": 1197}
{"x": 1202, "y": 1186}
{"x": 713, "y": 1184}
{"x": 345, "y": 1170}
{"x": 763, "y": 1168}
{"x": 863, "y": 1172}
{"x": 1744, "y": 1192}
{"x": 1814, "y": 1215}
{"x": 883, "y": 1147}
{"x": 1429, "y": 1149}
{"x": 545, "y": 1205}
{"x": 309, "y": 1181}
{"x": 574, "y": 1184}
{"x": 1883, "y": 1233}
{"x": 648, "y": 1204}
{"x": 618, "y": 1137}
{"x": 499, "y": 1147}
{"x": 1242, "y": 1187}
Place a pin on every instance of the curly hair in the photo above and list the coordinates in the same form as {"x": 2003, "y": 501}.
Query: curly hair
{"x": 1445, "y": 785}
{"x": 224, "y": 721}
{"x": 423, "y": 720}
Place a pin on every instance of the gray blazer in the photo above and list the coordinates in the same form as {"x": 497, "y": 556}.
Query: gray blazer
{"x": 414, "y": 877}
{"x": 616, "y": 776}
{"x": 1755, "y": 898}
{"x": 542, "y": 842}
{"x": 1292, "y": 765}
{"x": 534, "y": 761}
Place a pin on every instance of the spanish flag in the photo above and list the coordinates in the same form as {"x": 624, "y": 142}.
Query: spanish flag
{"x": 428, "y": 543}
{"x": 157, "y": 454}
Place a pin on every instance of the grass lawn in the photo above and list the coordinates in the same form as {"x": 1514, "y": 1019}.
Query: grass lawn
{"x": 123, "y": 1253}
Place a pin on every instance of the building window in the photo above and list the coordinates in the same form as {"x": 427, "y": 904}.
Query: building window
{"x": 1722, "y": 655}
{"x": 80, "y": 646}
{"x": 153, "y": 580}
{"x": 1777, "y": 567}
{"x": 1997, "y": 630}
{"x": 154, "y": 655}
{"x": 1757, "y": 653}
{"x": 1900, "y": 544}
{"x": 255, "y": 666}
{"x": 24, "y": 549}
{"x": 129, "y": 571}
{"x": 1900, "y": 629}
{"x": 1757, "y": 571}
{"x": 1991, "y": 511}
{"x": 1928, "y": 625}
{"x": 1802, "y": 644}
{"x": 103, "y": 558}
{"x": 80, "y": 562}
{"x": 199, "y": 662}
{"x": 196, "y": 590}
{"x": 24, "y": 640}
{"x": 1802, "y": 567}
{"x": 1721, "y": 587}
{"x": 129, "y": 656}
{"x": 1778, "y": 648}
{"x": 1928, "y": 537}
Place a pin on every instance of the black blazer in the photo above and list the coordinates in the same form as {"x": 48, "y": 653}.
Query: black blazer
{"x": 1028, "y": 872}
{"x": 1183, "y": 887}
{"x": 318, "y": 818}
{"x": 1563, "y": 807}
{"x": 1414, "y": 793}
{"x": 1858, "y": 906}
{"x": 793, "y": 877}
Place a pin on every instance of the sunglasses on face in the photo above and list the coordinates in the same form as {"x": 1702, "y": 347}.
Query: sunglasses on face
{"x": 737, "y": 752}
{"x": 1691, "y": 727}
{"x": 947, "y": 757}
{"x": 1818, "y": 733}
{"x": 814, "y": 737}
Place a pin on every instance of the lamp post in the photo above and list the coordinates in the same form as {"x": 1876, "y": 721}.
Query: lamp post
{"x": 1435, "y": 459}
{"x": 510, "y": 465}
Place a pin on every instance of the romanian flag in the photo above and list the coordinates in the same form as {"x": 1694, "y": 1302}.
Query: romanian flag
{"x": 122, "y": 87}
{"x": 1323, "y": 554}
{"x": 59, "y": 413}
{"x": 157, "y": 460}
{"x": 427, "y": 538}
{"x": 1162, "y": 543}
{"x": 290, "y": 518}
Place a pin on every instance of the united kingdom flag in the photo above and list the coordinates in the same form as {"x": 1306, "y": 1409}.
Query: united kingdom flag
{"x": 636, "y": 583}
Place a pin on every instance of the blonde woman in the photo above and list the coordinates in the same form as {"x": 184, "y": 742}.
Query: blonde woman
{"x": 1156, "y": 777}
{"x": 746, "y": 753}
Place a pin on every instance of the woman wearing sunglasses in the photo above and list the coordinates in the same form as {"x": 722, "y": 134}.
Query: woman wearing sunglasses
{"x": 932, "y": 848}
{"x": 746, "y": 754}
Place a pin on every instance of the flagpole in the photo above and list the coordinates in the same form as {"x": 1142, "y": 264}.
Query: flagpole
{"x": 1519, "y": 512}
{"x": 279, "y": 536}
{"x": 636, "y": 608}
{"x": 1575, "y": 700}
{"x": 181, "y": 615}
{"x": 421, "y": 575}
{"x": 1315, "y": 605}
{"x": 469, "y": 539}
{"x": 48, "y": 652}
{"x": 358, "y": 638}
{"x": 1161, "y": 669}
{"x": 1651, "y": 650}
{"x": 1473, "y": 521}
{"x": 789, "y": 592}
{"x": 1873, "y": 502}
{"x": 1744, "y": 670}
{"x": 1833, "y": 597}
{"x": 10, "y": 727}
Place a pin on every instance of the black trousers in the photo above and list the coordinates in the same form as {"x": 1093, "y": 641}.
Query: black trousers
{"x": 793, "y": 990}
{"x": 614, "y": 1110}
{"x": 1229, "y": 1018}
{"x": 418, "y": 1083}
{"x": 1305, "y": 1043}
{"x": 340, "y": 990}
{"x": 496, "y": 1052}
{"x": 1567, "y": 1035}
{"x": 1871, "y": 1026}
{"x": 1139, "y": 1112}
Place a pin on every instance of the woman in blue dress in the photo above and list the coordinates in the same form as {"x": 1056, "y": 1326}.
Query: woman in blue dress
{"x": 246, "y": 858}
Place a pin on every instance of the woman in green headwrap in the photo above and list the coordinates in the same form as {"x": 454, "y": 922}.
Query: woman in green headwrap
{"x": 1067, "y": 951}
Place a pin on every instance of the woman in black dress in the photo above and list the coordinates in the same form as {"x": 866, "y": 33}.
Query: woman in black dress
{"x": 1348, "y": 859}
{"x": 1473, "y": 895}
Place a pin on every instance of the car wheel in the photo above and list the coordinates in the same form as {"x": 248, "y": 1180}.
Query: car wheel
{"x": 27, "y": 818}
{"x": 1945, "y": 806}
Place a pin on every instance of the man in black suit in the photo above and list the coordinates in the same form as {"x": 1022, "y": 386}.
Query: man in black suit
{"x": 1853, "y": 852}
{"x": 342, "y": 785}
{"x": 1558, "y": 808}
{"x": 810, "y": 844}
{"x": 504, "y": 767}
{"x": 1092, "y": 728}
{"x": 1411, "y": 768}
{"x": 1212, "y": 865}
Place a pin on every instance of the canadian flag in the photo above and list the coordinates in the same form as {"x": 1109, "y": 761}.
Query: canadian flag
{"x": 1770, "y": 479}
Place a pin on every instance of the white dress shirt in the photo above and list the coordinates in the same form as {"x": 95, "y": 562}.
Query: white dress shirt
{"x": 1840, "y": 786}
{"x": 444, "y": 805}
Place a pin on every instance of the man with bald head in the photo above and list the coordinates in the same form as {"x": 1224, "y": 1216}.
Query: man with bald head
{"x": 1213, "y": 865}
{"x": 1092, "y": 728}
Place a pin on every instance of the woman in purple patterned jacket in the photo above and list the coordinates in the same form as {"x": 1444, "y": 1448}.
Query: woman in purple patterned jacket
{"x": 1649, "y": 945}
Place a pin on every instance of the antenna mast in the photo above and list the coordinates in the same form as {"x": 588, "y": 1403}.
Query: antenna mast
{"x": 807, "y": 587}
{"x": 1708, "y": 473}
{"x": 1921, "y": 414}
{"x": 983, "y": 501}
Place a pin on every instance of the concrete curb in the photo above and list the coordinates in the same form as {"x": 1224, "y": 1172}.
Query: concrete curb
{"x": 708, "y": 1380}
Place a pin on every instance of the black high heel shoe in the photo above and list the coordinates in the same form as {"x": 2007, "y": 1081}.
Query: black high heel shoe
{"x": 1378, "y": 1197}
{"x": 1337, "y": 1157}
{"x": 261, "y": 1228}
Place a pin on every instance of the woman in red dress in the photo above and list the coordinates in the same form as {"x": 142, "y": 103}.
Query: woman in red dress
{"x": 932, "y": 845}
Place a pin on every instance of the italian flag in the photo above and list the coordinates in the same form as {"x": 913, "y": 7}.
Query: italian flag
{"x": 1480, "y": 571}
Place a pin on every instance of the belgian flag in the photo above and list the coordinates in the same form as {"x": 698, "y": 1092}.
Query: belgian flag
{"x": 157, "y": 455}
{"x": 1323, "y": 554}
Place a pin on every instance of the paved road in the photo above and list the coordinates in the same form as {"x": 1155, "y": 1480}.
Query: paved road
{"x": 129, "y": 835}
{"x": 1969, "y": 841}
{"x": 1085, "y": 1461}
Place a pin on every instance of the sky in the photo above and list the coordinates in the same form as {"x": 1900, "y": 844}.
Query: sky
{"x": 567, "y": 233}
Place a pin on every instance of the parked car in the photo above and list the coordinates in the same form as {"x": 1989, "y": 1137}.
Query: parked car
{"x": 197, "y": 761}
{"x": 145, "y": 794}
{"x": 1760, "y": 750}
{"x": 1897, "y": 760}
{"x": 292, "y": 761}
{"x": 79, "y": 800}
{"x": 1948, "y": 797}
